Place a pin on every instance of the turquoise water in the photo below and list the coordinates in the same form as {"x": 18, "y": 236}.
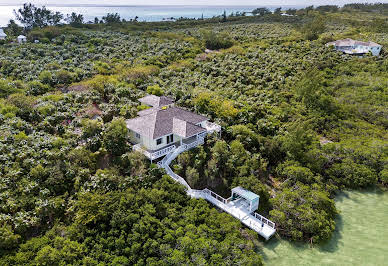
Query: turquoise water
{"x": 145, "y": 13}
{"x": 361, "y": 236}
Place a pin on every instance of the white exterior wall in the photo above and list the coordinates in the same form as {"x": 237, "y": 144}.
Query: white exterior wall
{"x": 202, "y": 124}
{"x": 22, "y": 40}
{"x": 376, "y": 50}
{"x": 150, "y": 144}
{"x": 2, "y": 34}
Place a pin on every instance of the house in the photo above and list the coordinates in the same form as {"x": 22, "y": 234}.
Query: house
{"x": 350, "y": 46}
{"x": 164, "y": 127}
{"x": 22, "y": 39}
{"x": 166, "y": 130}
{"x": 2, "y": 34}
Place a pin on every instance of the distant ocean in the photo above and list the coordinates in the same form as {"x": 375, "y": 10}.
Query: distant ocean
{"x": 145, "y": 13}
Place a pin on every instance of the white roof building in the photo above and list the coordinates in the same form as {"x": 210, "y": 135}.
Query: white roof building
{"x": 350, "y": 46}
{"x": 2, "y": 34}
{"x": 22, "y": 39}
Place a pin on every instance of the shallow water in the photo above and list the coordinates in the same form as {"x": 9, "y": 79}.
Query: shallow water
{"x": 360, "y": 238}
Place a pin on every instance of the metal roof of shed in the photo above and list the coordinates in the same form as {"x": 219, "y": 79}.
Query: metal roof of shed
{"x": 246, "y": 194}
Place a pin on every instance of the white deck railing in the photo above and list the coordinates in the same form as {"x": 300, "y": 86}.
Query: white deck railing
{"x": 255, "y": 221}
{"x": 194, "y": 144}
{"x": 263, "y": 220}
{"x": 154, "y": 155}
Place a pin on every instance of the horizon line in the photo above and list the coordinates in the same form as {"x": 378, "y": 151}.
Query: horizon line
{"x": 107, "y": 5}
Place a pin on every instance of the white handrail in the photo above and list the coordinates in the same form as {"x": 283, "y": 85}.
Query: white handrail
{"x": 253, "y": 220}
{"x": 263, "y": 220}
{"x": 156, "y": 154}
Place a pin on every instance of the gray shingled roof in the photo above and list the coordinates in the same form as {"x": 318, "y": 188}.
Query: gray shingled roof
{"x": 161, "y": 122}
{"x": 351, "y": 42}
{"x": 185, "y": 129}
{"x": 156, "y": 101}
{"x": 147, "y": 111}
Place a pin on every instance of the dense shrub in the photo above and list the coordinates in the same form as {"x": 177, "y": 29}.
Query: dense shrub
{"x": 215, "y": 41}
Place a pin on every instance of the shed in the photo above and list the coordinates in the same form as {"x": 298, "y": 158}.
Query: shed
{"x": 22, "y": 39}
{"x": 2, "y": 34}
{"x": 249, "y": 196}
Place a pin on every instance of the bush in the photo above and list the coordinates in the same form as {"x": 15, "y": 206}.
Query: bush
{"x": 46, "y": 77}
{"x": 8, "y": 239}
{"x": 304, "y": 212}
{"x": 155, "y": 90}
{"x": 214, "y": 41}
{"x": 7, "y": 87}
{"x": 314, "y": 28}
{"x": 115, "y": 137}
{"x": 64, "y": 77}
{"x": 139, "y": 73}
{"x": 37, "y": 88}
{"x": 352, "y": 174}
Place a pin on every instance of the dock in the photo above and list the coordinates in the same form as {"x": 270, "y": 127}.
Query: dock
{"x": 241, "y": 205}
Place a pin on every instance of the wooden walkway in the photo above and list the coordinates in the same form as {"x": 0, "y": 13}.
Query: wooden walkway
{"x": 236, "y": 208}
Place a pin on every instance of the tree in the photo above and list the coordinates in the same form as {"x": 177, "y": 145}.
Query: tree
{"x": 278, "y": 11}
{"x": 8, "y": 239}
{"x": 298, "y": 142}
{"x": 304, "y": 212}
{"x": 75, "y": 20}
{"x": 327, "y": 8}
{"x": 13, "y": 29}
{"x": 224, "y": 16}
{"x": 115, "y": 137}
{"x": 31, "y": 16}
{"x": 314, "y": 28}
{"x": 111, "y": 18}
{"x": 291, "y": 11}
{"x": 261, "y": 11}
{"x": 353, "y": 175}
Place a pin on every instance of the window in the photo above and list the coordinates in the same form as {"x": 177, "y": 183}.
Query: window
{"x": 170, "y": 138}
{"x": 137, "y": 135}
{"x": 159, "y": 141}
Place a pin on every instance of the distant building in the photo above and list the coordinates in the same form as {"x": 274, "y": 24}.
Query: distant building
{"x": 2, "y": 34}
{"x": 286, "y": 15}
{"x": 350, "y": 46}
{"x": 22, "y": 39}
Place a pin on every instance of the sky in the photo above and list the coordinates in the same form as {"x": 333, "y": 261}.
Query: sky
{"x": 189, "y": 2}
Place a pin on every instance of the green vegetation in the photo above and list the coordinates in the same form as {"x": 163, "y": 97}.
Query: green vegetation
{"x": 354, "y": 241}
{"x": 300, "y": 121}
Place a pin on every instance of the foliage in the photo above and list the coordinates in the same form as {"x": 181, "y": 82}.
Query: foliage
{"x": 299, "y": 122}
{"x": 75, "y": 20}
{"x": 155, "y": 90}
{"x": 311, "y": 30}
{"x": 13, "y": 29}
{"x": 304, "y": 212}
{"x": 31, "y": 16}
{"x": 115, "y": 137}
{"x": 216, "y": 41}
{"x": 111, "y": 18}
{"x": 261, "y": 11}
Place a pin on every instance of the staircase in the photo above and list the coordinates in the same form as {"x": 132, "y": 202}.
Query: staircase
{"x": 255, "y": 221}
